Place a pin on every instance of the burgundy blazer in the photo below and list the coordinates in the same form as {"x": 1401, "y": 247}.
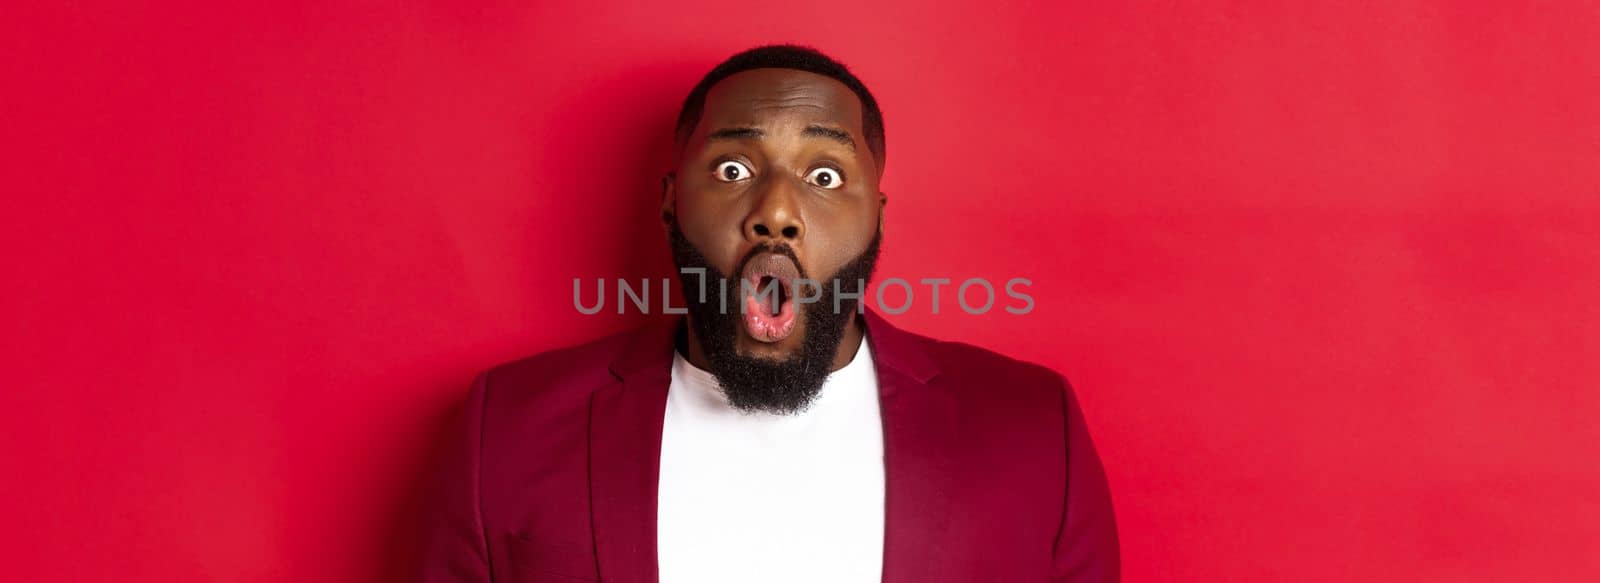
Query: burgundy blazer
{"x": 990, "y": 474}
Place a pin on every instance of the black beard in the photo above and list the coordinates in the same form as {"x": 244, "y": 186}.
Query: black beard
{"x": 754, "y": 384}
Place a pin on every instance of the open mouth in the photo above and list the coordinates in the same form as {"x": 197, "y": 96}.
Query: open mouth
{"x": 768, "y": 283}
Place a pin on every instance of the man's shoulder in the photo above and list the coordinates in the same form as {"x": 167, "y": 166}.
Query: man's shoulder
{"x": 1006, "y": 410}
{"x": 964, "y": 360}
{"x": 533, "y": 419}
{"x": 568, "y": 373}
{"x": 985, "y": 374}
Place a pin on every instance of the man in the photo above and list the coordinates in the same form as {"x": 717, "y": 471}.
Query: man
{"x": 778, "y": 436}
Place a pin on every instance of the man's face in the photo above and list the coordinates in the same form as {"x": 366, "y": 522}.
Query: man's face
{"x": 778, "y": 159}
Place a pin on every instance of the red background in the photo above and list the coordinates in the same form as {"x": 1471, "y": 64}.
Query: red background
{"x": 1322, "y": 275}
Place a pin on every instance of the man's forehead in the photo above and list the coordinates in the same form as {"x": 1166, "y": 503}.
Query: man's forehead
{"x": 756, "y": 96}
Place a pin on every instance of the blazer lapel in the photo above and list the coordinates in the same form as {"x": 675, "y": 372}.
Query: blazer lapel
{"x": 625, "y": 456}
{"x": 919, "y": 423}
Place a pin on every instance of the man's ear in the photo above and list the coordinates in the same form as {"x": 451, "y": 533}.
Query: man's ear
{"x": 669, "y": 198}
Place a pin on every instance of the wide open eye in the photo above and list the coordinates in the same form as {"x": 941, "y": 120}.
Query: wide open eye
{"x": 732, "y": 171}
{"x": 826, "y": 177}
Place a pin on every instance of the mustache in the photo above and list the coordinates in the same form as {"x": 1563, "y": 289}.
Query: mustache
{"x": 777, "y": 248}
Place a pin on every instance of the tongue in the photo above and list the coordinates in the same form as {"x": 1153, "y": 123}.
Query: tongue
{"x": 765, "y": 326}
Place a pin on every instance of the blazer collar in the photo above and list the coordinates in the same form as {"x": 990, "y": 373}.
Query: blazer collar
{"x": 898, "y": 349}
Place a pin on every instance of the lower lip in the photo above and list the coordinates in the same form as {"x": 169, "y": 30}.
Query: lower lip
{"x": 763, "y": 325}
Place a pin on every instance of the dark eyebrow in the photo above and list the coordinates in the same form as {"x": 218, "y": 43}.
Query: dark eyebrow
{"x": 834, "y": 134}
{"x": 734, "y": 134}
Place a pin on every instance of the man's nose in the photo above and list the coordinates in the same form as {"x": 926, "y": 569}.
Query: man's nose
{"x": 776, "y": 214}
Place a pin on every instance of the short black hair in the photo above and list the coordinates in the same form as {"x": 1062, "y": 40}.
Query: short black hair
{"x": 785, "y": 57}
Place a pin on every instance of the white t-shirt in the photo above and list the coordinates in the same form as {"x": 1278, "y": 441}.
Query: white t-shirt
{"x": 758, "y": 497}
